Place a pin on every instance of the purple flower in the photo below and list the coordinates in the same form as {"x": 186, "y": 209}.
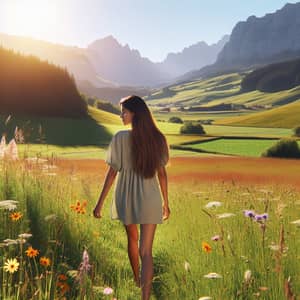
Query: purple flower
{"x": 265, "y": 216}
{"x": 249, "y": 213}
{"x": 259, "y": 218}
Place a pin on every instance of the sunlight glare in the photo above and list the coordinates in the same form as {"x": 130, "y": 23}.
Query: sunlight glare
{"x": 35, "y": 18}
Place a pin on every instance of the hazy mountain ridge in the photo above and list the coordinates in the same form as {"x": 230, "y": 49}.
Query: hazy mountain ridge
{"x": 72, "y": 58}
{"x": 106, "y": 63}
{"x": 257, "y": 40}
{"x": 193, "y": 57}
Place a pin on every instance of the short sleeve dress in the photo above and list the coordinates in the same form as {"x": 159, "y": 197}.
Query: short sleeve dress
{"x": 136, "y": 200}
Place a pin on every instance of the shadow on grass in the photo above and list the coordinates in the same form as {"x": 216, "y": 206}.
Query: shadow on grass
{"x": 162, "y": 263}
{"x": 57, "y": 131}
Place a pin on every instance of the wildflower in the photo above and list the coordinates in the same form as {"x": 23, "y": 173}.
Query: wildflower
{"x": 261, "y": 218}
{"x": 215, "y": 238}
{"x": 213, "y": 276}
{"x": 45, "y": 261}
{"x": 108, "y": 291}
{"x": 249, "y": 213}
{"x": 225, "y": 215}
{"x": 206, "y": 247}
{"x": 30, "y": 252}
{"x": 11, "y": 265}
{"x": 247, "y": 276}
{"x": 63, "y": 287}
{"x": 8, "y": 242}
{"x": 25, "y": 235}
{"x": 8, "y": 204}
{"x": 84, "y": 266}
{"x": 15, "y": 216}
{"x": 79, "y": 208}
{"x": 213, "y": 204}
{"x": 187, "y": 266}
{"x": 62, "y": 277}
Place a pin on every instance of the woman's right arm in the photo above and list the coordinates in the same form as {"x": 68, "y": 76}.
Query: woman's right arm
{"x": 163, "y": 182}
{"x": 109, "y": 180}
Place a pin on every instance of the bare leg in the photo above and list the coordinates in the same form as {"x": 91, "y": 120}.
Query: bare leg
{"x": 133, "y": 251}
{"x": 146, "y": 242}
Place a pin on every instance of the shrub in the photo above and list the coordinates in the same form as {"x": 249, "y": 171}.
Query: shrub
{"x": 175, "y": 120}
{"x": 194, "y": 128}
{"x": 297, "y": 131}
{"x": 285, "y": 148}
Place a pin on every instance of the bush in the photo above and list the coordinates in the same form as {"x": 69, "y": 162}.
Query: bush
{"x": 194, "y": 128}
{"x": 175, "y": 120}
{"x": 297, "y": 131}
{"x": 285, "y": 148}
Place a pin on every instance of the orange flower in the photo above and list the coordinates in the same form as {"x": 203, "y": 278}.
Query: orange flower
{"x": 30, "y": 252}
{"x": 206, "y": 247}
{"x": 63, "y": 287}
{"x": 15, "y": 216}
{"x": 62, "y": 277}
{"x": 79, "y": 208}
{"x": 45, "y": 261}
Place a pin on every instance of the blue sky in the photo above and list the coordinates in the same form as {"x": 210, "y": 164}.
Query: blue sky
{"x": 154, "y": 27}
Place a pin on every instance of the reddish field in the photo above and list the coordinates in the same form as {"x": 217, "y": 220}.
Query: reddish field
{"x": 209, "y": 169}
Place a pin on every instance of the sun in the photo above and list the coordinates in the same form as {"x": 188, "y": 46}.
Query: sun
{"x": 35, "y": 18}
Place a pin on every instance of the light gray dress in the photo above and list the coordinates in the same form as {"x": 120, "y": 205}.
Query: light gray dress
{"x": 136, "y": 200}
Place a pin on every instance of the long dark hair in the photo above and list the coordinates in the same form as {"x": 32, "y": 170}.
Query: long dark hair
{"x": 148, "y": 145}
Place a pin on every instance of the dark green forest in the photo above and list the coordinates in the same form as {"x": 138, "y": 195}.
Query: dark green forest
{"x": 29, "y": 86}
{"x": 273, "y": 78}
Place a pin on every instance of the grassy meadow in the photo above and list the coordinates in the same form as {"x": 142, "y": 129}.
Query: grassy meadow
{"x": 234, "y": 226}
{"x": 221, "y": 253}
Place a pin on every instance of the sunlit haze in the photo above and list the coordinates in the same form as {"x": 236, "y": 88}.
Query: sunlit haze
{"x": 155, "y": 28}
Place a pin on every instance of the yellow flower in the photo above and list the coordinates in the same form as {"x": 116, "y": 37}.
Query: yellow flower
{"x": 45, "y": 261}
{"x": 30, "y": 252}
{"x": 206, "y": 247}
{"x": 15, "y": 216}
{"x": 11, "y": 265}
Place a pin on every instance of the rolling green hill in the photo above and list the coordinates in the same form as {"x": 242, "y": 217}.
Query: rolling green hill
{"x": 216, "y": 91}
{"x": 286, "y": 116}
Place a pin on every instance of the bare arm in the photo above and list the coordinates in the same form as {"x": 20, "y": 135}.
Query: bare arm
{"x": 109, "y": 180}
{"x": 163, "y": 182}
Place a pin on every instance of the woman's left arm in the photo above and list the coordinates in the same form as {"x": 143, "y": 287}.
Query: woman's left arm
{"x": 109, "y": 180}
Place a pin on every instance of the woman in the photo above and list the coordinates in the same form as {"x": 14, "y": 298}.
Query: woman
{"x": 139, "y": 157}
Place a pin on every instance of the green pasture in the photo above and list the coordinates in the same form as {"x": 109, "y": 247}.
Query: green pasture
{"x": 198, "y": 116}
{"x": 248, "y": 258}
{"x": 241, "y": 147}
{"x": 286, "y": 116}
{"x": 197, "y": 92}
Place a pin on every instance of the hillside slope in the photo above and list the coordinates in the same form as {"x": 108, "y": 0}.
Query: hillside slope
{"x": 286, "y": 116}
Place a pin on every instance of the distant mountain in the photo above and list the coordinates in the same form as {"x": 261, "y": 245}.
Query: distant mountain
{"x": 193, "y": 57}
{"x": 257, "y": 42}
{"x": 124, "y": 65}
{"x": 263, "y": 40}
{"x": 72, "y": 58}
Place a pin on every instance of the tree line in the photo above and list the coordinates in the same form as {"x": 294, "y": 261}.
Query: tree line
{"x": 29, "y": 86}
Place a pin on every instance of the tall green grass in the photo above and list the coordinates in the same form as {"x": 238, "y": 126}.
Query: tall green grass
{"x": 180, "y": 262}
